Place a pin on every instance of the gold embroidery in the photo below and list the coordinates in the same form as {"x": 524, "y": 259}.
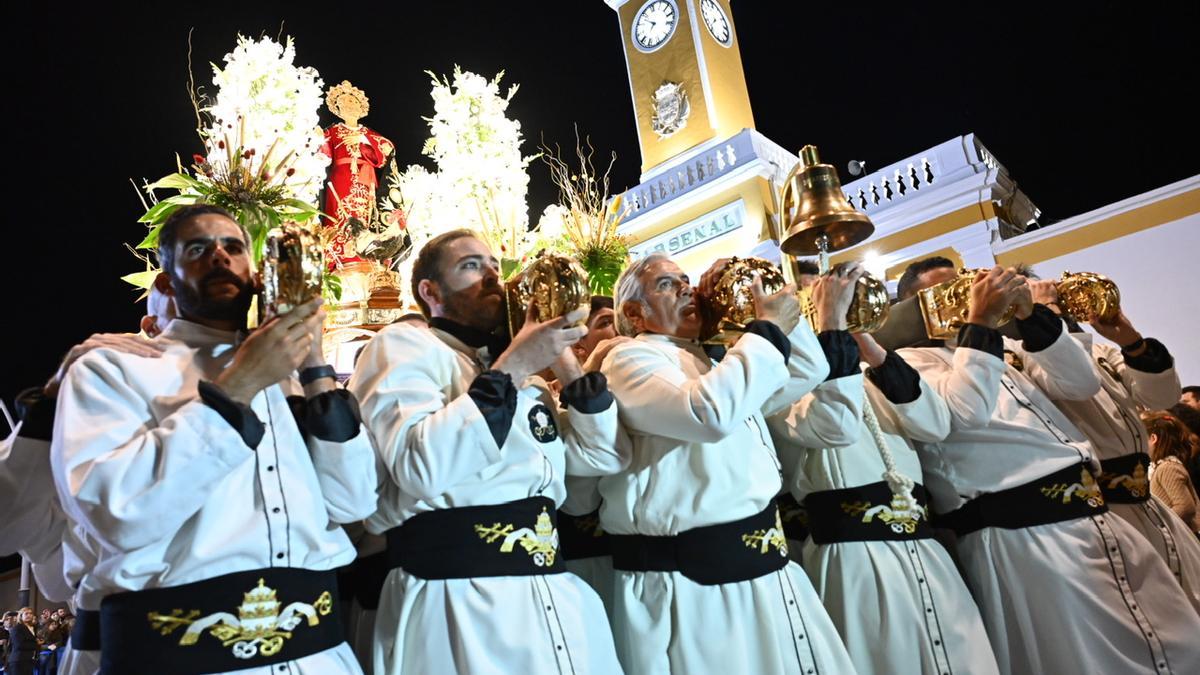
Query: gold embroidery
{"x": 797, "y": 514}
{"x": 763, "y": 540}
{"x": 259, "y": 628}
{"x": 1011, "y": 358}
{"x": 902, "y": 515}
{"x": 541, "y": 543}
{"x": 1086, "y": 489}
{"x": 1135, "y": 483}
{"x": 589, "y": 525}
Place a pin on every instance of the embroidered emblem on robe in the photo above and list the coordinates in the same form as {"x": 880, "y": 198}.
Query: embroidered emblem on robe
{"x": 1135, "y": 482}
{"x": 589, "y": 525}
{"x": 1086, "y": 489}
{"x": 1011, "y": 358}
{"x": 763, "y": 540}
{"x": 541, "y": 423}
{"x": 541, "y": 542}
{"x": 902, "y": 515}
{"x": 259, "y": 627}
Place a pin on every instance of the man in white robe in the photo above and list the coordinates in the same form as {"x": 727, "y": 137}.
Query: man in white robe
{"x": 59, "y": 558}
{"x": 474, "y": 454}
{"x": 703, "y": 582}
{"x": 870, "y": 541}
{"x": 584, "y": 544}
{"x": 213, "y": 501}
{"x": 1063, "y": 585}
{"x": 1138, "y": 374}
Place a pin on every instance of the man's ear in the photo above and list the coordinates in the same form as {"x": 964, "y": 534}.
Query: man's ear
{"x": 635, "y": 312}
{"x": 162, "y": 282}
{"x": 430, "y": 292}
{"x": 149, "y": 326}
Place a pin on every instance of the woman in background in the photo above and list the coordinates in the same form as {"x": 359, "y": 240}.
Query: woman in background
{"x": 1171, "y": 448}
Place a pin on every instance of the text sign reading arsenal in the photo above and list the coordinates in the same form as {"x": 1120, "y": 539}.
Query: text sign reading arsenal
{"x": 702, "y": 230}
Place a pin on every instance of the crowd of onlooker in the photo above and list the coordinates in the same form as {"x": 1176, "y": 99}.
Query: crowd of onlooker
{"x": 1175, "y": 456}
{"x": 31, "y": 643}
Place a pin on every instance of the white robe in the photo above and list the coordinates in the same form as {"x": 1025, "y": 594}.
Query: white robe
{"x": 80, "y": 554}
{"x": 32, "y": 523}
{"x": 1080, "y": 596}
{"x": 583, "y": 498}
{"x": 1110, "y": 421}
{"x": 922, "y": 618}
{"x": 173, "y": 495}
{"x": 702, "y": 455}
{"x": 437, "y": 452}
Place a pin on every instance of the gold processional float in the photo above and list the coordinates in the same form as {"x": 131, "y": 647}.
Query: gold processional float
{"x": 815, "y": 219}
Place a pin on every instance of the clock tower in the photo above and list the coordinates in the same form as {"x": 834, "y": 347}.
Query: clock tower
{"x": 685, "y": 74}
{"x": 708, "y": 177}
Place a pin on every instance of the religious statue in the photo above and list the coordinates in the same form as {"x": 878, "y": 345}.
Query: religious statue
{"x": 356, "y": 152}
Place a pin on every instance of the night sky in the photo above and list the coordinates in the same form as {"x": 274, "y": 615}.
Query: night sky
{"x": 1085, "y": 106}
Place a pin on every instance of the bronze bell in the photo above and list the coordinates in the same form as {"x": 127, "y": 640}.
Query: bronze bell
{"x": 813, "y": 205}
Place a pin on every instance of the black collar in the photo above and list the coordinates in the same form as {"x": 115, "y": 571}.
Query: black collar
{"x": 472, "y": 337}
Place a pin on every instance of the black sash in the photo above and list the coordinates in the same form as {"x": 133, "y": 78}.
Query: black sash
{"x": 1125, "y": 479}
{"x": 363, "y": 579}
{"x": 715, "y": 554}
{"x": 1066, "y": 494}
{"x": 581, "y": 536}
{"x": 864, "y": 513}
{"x": 85, "y": 635}
{"x": 514, "y": 539}
{"x": 231, "y": 622}
{"x": 793, "y": 515}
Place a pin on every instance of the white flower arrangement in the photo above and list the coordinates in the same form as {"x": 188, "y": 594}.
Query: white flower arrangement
{"x": 267, "y": 105}
{"x": 262, "y": 139}
{"x": 482, "y": 179}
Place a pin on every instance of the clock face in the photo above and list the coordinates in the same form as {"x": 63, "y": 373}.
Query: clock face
{"x": 716, "y": 21}
{"x": 654, "y": 24}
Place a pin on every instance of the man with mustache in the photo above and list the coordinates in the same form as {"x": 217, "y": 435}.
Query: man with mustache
{"x": 703, "y": 583}
{"x": 475, "y": 450}
{"x": 212, "y": 501}
{"x": 1063, "y": 585}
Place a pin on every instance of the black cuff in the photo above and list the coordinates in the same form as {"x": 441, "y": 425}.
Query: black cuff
{"x": 588, "y": 394}
{"x": 299, "y": 407}
{"x": 975, "y": 336}
{"x": 1040, "y": 330}
{"x": 239, "y": 416}
{"x": 332, "y": 416}
{"x": 773, "y": 334}
{"x": 898, "y": 381}
{"x": 36, "y": 411}
{"x": 1156, "y": 358}
{"x": 496, "y": 397}
{"x": 841, "y": 351}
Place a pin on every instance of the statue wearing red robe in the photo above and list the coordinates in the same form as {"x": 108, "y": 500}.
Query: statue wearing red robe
{"x": 355, "y": 153}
